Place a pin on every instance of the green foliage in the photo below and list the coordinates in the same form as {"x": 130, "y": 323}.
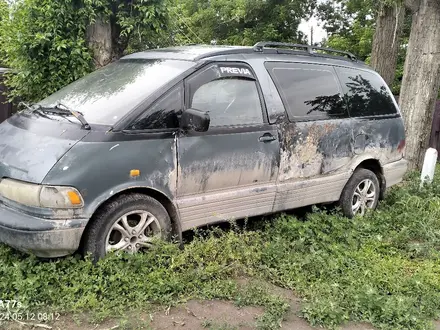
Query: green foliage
{"x": 351, "y": 26}
{"x": 383, "y": 268}
{"x": 359, "y": 41}
{"x": 4, "y": 14}
{"x": 242, "y": 22}
{"x": 44, "y": 42}
{"x": 141, "y": 24}
{"x": 338, "y": 16}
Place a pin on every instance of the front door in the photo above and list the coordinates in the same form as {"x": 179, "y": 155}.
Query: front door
{"x": 230, "y": 171}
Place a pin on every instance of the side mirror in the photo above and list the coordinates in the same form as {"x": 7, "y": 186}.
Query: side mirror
{"x": 194, "y": 120}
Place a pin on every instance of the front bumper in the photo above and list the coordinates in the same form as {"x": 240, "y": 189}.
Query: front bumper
{"x": 41, "y": 237}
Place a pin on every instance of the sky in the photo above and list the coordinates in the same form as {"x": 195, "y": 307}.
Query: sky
{"x": 318, "y": 32}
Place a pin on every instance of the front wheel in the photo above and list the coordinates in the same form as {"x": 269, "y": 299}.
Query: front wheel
{"x": 129, "y": 223}
{"x": 360, "y": 194}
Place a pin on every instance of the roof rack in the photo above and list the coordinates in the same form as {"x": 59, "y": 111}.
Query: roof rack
{"x": 311, "y": 50}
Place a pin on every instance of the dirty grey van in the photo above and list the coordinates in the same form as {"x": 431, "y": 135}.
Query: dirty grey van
{"x": 167, "y": 140}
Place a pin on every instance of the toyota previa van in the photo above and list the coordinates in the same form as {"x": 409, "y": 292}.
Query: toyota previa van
{"x": 168, "y": 140}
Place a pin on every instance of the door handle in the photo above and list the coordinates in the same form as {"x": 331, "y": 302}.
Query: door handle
{"x": 267, "y": 138}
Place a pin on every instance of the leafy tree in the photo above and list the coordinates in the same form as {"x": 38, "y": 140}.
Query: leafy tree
{"x": 118, "y": 24}
{"x": 373, "y": 30}
{"x": 51, "y": 43}
{"x": 4, "y": 14}
{"x": 350, "y": 25}
{"x": 241, "y": 22}
{"x": 358, "y": 42}
{"x": 339, "y": 15}
{"x": 421, "y": 77}
{"x": 43, "y": 41}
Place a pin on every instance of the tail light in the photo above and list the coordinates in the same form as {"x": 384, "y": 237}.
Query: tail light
{"x": 401, "y": 147}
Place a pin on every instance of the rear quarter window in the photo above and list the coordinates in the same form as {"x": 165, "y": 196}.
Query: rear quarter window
{"x": 308, "y": 91}
{"x": 366, "y": 93}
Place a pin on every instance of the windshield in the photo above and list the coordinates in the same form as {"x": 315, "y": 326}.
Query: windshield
{"x": 108, "y": 94}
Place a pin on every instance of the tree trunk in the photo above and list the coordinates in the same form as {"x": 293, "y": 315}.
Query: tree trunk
{"x": 386, "y": 41}
{"x": 421, "y": 78}
{"x": 100, "y": 40}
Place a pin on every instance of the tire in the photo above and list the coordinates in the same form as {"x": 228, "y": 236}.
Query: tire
{"x": 122, "y": 225}
{"x": 355, "y": 193}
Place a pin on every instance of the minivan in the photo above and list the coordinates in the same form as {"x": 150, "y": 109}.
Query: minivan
{"x": 167, "y": 140}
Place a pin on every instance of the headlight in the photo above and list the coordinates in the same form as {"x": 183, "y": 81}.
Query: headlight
{"x": 41, "y": 196}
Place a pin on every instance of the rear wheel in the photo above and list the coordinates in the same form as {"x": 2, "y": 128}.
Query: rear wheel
{"x": 360, "y": 194}
{"x": 129, "y": 223}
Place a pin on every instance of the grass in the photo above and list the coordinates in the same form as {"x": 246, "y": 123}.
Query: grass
{"x": 383, "y": 269}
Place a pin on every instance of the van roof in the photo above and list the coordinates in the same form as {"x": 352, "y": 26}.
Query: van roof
{"x": 190, "y": 53}
{"x": 267, "y": 50}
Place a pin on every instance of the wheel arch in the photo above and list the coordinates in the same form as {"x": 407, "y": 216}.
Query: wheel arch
{"x": 374, "y": 166}
{"x": 157, "y": 195}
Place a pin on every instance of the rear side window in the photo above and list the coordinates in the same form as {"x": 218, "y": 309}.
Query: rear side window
{"x": 308, "y": 91}
{"x": 366, "y": 93}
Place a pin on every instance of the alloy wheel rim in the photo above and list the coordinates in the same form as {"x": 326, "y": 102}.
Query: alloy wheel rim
{"x": 364, "y": 197}
{"x": 132, "y": 232}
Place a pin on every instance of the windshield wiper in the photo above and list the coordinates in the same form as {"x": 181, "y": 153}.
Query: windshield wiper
{"x": 61, "y": 109}
{"x": 35, "y": 107}
{"x": 30, "y": 106}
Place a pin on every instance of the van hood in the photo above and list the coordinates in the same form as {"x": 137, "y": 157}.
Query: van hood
{"x": 29, "y": 147}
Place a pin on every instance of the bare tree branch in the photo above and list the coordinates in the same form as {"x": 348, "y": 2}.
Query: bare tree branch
{"x": 413, "y": 5}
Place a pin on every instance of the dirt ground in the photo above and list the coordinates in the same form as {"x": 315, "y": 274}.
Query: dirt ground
{"x": 194, "y": 315}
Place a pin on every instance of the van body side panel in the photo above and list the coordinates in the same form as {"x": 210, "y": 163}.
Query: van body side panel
{"x": 226, "y": 176}
{"x": 394, "y": 172}
{"x": 379, "y": 131}
{"x": 229, "y": 171}
{"x": 101, "y": 169}
{"x": 379, "y": 139}
{"x": 317, "y": 159}
{"x": 318, "y": 156}
{"x": 314, "y": 150}
{"x": 314, "y": 161}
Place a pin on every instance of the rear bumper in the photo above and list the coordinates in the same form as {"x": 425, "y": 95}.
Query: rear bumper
{"x": 394, "y": 172}
{"x": 43, "y": 238}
